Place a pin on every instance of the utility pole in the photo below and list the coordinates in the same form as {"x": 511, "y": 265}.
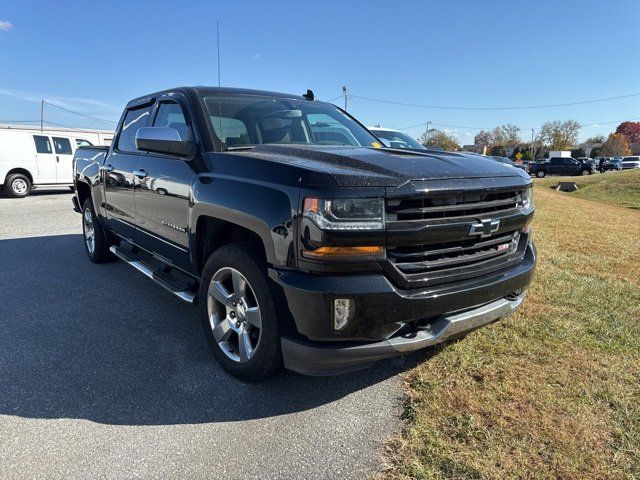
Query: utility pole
{"x": 344, "y": 92}
{"x": 533, "y": 151}
{"x": 42, "y": 115}
{"x": 427, "y": 134}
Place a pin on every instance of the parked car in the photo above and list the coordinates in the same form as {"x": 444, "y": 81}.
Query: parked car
{"x": 595, "y": 164}
{"x": 299, "y": 250}
{"x": 396, "y": 138}
{"x": 31, "y": 158}
{"x": 611, "y": 164}
{"x": 560, "y": 166}
{"x": 630, "y": 162}
{"x": 508, "y": 161}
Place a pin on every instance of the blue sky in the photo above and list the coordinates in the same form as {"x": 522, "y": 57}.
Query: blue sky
{"x": 94, "y": 57}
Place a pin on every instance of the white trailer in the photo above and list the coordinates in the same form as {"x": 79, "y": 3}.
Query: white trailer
{"x": 560, "y": 153}
{"x": 32, "y": 158}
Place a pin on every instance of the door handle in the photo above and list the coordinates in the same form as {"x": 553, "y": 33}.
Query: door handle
{"x": 140, "y": 173}
{"x": 57, "y": 159}
{"x": 108, "y": 168}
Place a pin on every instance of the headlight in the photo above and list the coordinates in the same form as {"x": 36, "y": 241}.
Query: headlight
{"x": 345, "y": 213}
{"x": 527, "y": 198}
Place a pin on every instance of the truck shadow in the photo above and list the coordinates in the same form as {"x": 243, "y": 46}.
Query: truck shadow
{"x": 100, "y": 342}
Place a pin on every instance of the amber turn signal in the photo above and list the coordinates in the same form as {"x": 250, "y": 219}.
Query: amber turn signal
{"x": 344, "y": 252}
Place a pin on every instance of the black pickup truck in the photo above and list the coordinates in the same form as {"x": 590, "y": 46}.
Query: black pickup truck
{"x": 561, "y": 166}
{"x": 304, "y": 242}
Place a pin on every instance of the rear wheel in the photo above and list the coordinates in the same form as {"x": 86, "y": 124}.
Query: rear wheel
{"x": 17, "y": 185}
{"x": 540, "y": 173}
{"x": 96, "y": 242}
{"x": 238, "y": 313}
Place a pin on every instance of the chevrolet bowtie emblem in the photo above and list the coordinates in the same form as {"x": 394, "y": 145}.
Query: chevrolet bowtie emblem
{"x": 484, "y": 227}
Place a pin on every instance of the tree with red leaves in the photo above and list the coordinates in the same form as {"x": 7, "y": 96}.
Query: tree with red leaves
{"x": 631, "y": 131}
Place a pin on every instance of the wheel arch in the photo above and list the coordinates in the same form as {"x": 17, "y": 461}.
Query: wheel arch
{"x": 212, "y": 233}
{"x": 19, "y": 170}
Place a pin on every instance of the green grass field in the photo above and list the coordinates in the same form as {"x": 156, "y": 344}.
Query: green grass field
{"x": 553, "y": 391}
{"x": 620, "y": 188}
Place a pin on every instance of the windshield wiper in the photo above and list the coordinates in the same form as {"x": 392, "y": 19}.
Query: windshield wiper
{"x": 240, "y": 147}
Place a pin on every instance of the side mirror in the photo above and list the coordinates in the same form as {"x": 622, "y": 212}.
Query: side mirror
{"x": 385, "y": 142}
{"x": 163, "y": 140}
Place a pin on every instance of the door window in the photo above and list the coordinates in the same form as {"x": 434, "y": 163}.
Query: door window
{"x": 134, "y": 119}
{"x": 42, "y": 144}
{"x": 170, "y": 115}
{"x": 62, "y": 146}
{"x": 81, "y": 142}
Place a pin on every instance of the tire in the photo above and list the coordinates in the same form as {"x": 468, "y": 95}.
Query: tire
{"x": 585, "y": 172}
{"x": 248, "y": 352}
{"x": 541, "y": 173}
{"x": 95, "y": 240}
{"x": 17, "y": 185}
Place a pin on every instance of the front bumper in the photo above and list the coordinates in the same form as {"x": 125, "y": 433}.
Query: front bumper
{"x": 385, "y": 314}
{"x": 318, "y": 359}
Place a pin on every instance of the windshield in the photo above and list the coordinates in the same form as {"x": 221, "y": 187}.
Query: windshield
{"x": 398, "y": 139}
{"x": 241, "y": 121}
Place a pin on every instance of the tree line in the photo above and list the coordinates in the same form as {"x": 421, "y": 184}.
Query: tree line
{"x": 554, "y": 135}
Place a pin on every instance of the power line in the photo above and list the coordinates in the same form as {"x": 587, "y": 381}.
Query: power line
{"x": 582, "y": 125}
{"x": 521, "y": 107}
{"x": 90, "y": 117}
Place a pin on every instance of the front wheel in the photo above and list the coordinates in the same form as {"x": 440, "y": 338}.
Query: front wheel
{"x": 17, "y": 185}
{"x": 238, "y": 313}
{"x": 540, "y": 174}
{"x": 96, "y": 243}
{"x": 586, "y": 172}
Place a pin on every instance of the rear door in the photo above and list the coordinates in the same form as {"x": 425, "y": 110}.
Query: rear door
{"x": 45, "y": 159}
{"x": 162, "y": 196}
{"x": 119, "y": 180}
{"x": 64, "y": 159}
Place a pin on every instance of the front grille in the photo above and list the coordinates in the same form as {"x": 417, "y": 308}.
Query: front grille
{"x": 441, "y": 256}
{"x": 449, "y": 206}
{"x": 430, "y": 237}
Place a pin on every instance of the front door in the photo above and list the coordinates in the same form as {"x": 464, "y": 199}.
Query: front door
{"x": 119, "y": 180}
{"x": 45, "y": 160}
{"x": 162, "y": 195}
{"x": 64, "y": 159}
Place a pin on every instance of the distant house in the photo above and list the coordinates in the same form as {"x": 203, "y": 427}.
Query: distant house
{"x": 472, "y": 148}
{"x": 588, "y": 147}
{"x": 635, "y": 148}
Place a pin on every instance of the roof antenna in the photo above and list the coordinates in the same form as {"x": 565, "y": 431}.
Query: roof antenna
{"x": 219, "y": 86}
{"x": 309, "y": 95}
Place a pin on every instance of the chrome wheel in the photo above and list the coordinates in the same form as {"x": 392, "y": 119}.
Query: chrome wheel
{"x": 234, "y": 314}
{"x": 19, "y": 186}
{"x": 89, "y": 231}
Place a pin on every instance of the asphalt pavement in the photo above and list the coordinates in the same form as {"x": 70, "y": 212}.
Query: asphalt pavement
{"x": 105, "y": 375}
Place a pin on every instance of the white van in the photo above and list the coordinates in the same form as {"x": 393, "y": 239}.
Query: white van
{"x": 30, "y": 158}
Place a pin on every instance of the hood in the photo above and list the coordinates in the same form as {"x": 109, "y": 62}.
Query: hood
{"x": 373, "y": 167}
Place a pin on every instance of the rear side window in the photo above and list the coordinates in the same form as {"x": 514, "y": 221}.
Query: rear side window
{"x": 81, "y": 142}
{"x": 42, "y": 144}
{"x": 62, "y": 146}
{"x": 133, "y": 120}
{"x": 170, "y": 115}
{"x": 231, "y": 131}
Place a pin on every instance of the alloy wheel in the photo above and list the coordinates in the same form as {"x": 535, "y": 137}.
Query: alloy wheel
{"x": 234, "y": 314}
{"x": 89, "y": 231}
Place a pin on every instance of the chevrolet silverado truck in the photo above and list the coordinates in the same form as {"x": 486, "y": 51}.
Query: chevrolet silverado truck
{"x": 303, "y": 241}
{"x": 561, "y": 166}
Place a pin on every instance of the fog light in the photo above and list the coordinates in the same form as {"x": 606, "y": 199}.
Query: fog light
{"x": 342, "y": 312}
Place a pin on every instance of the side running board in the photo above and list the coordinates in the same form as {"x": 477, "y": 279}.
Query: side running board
{"x": 180, "y": 290}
